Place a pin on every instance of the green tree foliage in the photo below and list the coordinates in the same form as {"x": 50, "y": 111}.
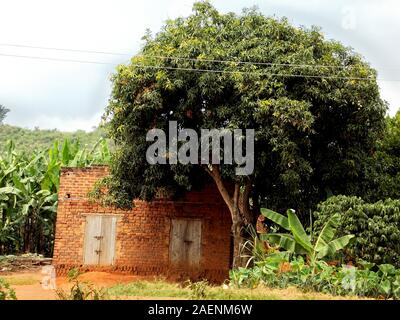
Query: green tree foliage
{"x": 375, "y": 225}
{"x": 383, "y": 168}
{"x": 315, "y": 121}
{"x": 28, "y": 192}
{"x": 3, "y": 113}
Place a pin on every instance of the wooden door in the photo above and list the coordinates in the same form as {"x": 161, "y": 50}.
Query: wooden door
{"x": 185, "y": 242}
{"x": 99, "y": 247}
{"x": 107, "y": 243}
{"x": 92, "y": 243}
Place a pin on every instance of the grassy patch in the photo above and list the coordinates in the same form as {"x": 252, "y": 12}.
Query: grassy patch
{"x": 150, "y": 289}
{"x": 20, "y": 280}
{"x": 163, "y": 289}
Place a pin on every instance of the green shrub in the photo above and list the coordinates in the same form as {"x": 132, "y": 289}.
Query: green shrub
{"x": 6, "y": 292}
{"x": 344, "y": 280}
{"x": 198, "y": 290}
{"x": 376, "y": 227}
{"x": 80, "y": 290}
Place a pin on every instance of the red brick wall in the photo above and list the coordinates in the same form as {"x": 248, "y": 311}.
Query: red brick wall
{"x": 143, "y": 233}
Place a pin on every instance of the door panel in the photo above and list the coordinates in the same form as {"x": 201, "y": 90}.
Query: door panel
{"x": 99, "y": 247}
{"x": 194, "y": 246}
{"x": 177, "y": 244}
{"x": 185, "y": 242}
{"x": 107, "y": 242}
{"x": 92, "y": 244}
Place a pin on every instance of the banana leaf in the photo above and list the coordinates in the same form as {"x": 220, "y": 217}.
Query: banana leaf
{"x": 327, "y": 232}
{"x": 298, "y": 231}
{"x": 285, "y": 241}
{"x": 276, "y": 217}
{"x": 334, "y": 245}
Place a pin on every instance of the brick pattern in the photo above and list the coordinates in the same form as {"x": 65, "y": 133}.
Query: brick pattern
{"x": 143, "y": 233}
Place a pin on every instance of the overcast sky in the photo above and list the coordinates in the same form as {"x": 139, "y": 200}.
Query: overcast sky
{"x": 70, "y": 96}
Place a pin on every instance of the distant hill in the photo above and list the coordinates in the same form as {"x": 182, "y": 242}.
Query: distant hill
{"x": 37, "y": 139}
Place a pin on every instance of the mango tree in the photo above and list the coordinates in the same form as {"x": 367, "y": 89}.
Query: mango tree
{"x": 313, "y": 103}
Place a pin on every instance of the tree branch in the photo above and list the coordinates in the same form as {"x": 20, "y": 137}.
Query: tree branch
{"x": 216, "y": 175}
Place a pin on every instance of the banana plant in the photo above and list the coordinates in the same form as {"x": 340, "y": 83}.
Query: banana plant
{"x": 299, "y": 242}
{"x": 28, "y": 191}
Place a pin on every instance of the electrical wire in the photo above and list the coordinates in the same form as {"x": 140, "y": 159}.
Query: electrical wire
{"x": 296, "y": 65}
{"x": 198, "y": 70}
{"x": 177, "y": 58}
{"x": 63, "y": 49}
{"x": 55, "y": 59}
{"x": 185, "y": 69}
{"x": 251, "y": 72}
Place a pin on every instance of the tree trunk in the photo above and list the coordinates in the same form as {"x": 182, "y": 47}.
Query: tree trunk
{"x": 239, "y": 239}
{"x": 238, "y": 205}
{"x": 28, "y": 233}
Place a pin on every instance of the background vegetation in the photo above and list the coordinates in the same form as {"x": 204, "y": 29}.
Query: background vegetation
{"x": 376, "y": 226}
{"x": 38, "y": 139}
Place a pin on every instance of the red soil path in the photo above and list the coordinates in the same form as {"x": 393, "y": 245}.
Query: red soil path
{"x": 27, "y": 285}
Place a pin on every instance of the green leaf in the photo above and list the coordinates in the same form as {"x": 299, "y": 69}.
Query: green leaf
{"x": 7, "y": 172}
{"x": 77, "y": 161}
{"x": 66, "y": 154}
{"x": 327, "y": 233}
{"x": 17, "y": 182}
{"x": 334, "y": 246}
{"x": 366, "y": 265}
{"x": 284, "y": 241}
{"x": 9, "y": 190}
{"x": 385, "y": 286}
{"x": 276, "y": 217}
{"x": 298, "y": 231}
{"x": 387, "y": 269}
{"x": 274, "y": 260}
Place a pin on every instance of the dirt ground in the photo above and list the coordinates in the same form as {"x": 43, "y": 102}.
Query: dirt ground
{"x": 27, "y": 285}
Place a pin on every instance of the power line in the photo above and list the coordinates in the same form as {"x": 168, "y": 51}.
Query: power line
{"x": 178, "y": 68}
{"x": 198, "y": 70}
{"x": 251, "y": 72}
{"x": 176, "y": 58}
{"x": 183, "y": 69}
{"x": 63, "y": 49}
{"x": 296, "y": 65}
{"x": 55, "y": 59}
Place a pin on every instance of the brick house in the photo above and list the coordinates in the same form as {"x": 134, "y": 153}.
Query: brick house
{"x": 188, "y": 238}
